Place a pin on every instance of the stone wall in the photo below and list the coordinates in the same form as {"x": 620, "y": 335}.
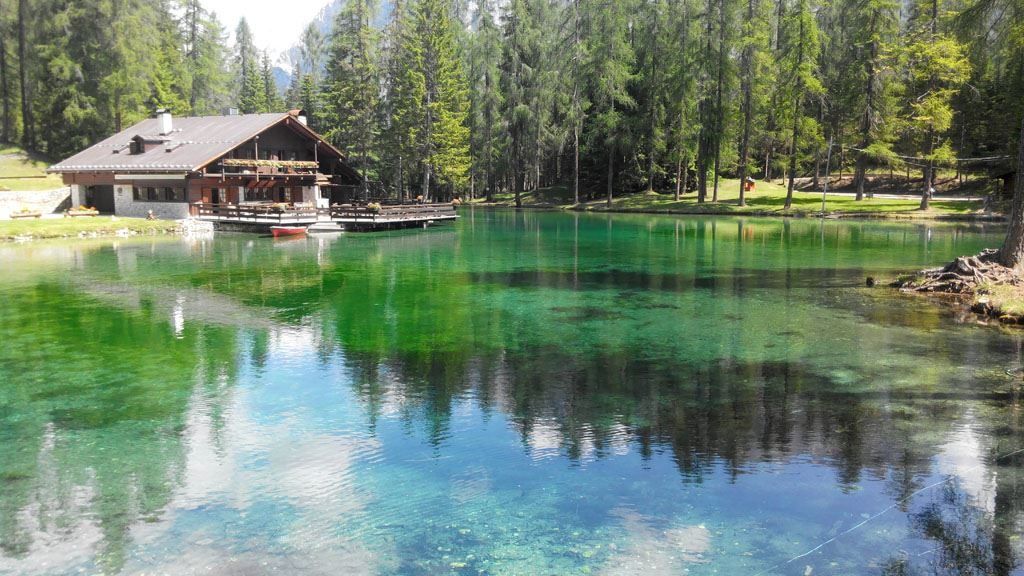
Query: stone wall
{"x": 46, "y": 202}
{"x": 125, "y": 205}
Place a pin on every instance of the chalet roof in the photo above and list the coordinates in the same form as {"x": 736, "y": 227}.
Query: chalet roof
{"x": 193, "y": 143}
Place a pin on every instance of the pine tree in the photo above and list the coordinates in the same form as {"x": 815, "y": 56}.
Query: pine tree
{"x": 166, "y": 91}
{"x": 312, "y": 47}
{"x": 653, "y": 87}
{"x": 799, "y": 64}
{"x": 271, "y": 95}
{"x": 485, "y": 97}
{"x": 610, "y": 70}
{"x": 445, "y": 130}
{"x": 755, "y": 42}
{"x": 938, "y": 67}
{"x": 168, "y": 67}
{"x": 878, "y": 25}
{"x": 206, "y": 53}
{"x": 514, "y": 77}
{"x": 252, "y": 95}
{"x": 405, "y": 89}
{"x": 578, "y": 103}
{"x": 354, "y": 83}
{"x": 27, "y": 125}
{"x": 1008, "y": 57}
{"x": 6, "y": 97}
{"x": 684, "y": 129}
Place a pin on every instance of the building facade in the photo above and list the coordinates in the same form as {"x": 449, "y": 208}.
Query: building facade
{"x": 171, "y": 167}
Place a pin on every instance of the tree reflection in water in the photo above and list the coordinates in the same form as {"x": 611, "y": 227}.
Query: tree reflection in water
{"x": 715, "y": 344}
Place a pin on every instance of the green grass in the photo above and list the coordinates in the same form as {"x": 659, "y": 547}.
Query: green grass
{"x": 1005, "y": 299}
{"x": 20, "y": 170}
{"x": 73, "y": 227}
{"x": 768, "y": 199}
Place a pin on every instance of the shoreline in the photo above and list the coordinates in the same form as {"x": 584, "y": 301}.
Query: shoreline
{"x": 838, "y": 215}
{"x": 82, "y": 228}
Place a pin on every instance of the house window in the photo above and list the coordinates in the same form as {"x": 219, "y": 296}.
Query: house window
{"x": 259, "y": 194}
{"x": 285, "y": 194}
{"x": 155, "y": 194}
{"x": 174, "y": 194}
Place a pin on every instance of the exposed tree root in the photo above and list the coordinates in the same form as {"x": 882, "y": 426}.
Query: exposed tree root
{"x": 964, "y": 275}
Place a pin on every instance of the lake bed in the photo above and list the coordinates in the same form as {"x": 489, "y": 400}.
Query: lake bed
{"x": 518, "y": 393}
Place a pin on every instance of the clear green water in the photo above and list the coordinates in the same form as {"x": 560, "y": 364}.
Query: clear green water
{"x": 536, "y": 393}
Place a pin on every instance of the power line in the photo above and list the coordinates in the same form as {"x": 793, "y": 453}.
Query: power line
{"x": 922, "y": 159}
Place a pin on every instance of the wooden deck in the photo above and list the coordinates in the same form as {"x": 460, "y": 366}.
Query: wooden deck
{"x": 395, "y": 216}
{"x": 254, "y": 214}
{"x": 349, "y": 217}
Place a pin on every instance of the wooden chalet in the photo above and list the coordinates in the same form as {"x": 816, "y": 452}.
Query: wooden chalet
{"x": 248, "y": 169}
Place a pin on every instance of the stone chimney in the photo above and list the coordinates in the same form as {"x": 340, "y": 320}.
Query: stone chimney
{"x": 166, "y": 124}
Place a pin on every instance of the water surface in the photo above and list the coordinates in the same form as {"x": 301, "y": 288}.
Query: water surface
{"x": 520, "y": 393}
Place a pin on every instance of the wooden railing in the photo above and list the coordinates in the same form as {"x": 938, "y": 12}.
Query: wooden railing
{"x": 400, "y": 212}
{"x": 260, "y": 213}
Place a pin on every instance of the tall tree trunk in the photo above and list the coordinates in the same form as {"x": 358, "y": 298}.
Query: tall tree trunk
{"x": 611, "y": 175}
{"x": 686, "y": 175}
{"x": 401, "y": 180}
{"x": 577, "y": 109}
{"x": 537, "y": 158}
{"x": 192, "y": 16}
{"x": 425, "y": 186}
{"x": 5, "y": 96}
{"x": 867, "y": 121}
{"x": 798, "y": 97}
{"x": 719, "y": 109}
{"x": 28, "y": 137}
{"x": 652, "y": 120}
{"x": 748, "y": 80}
{"x": 679, "y": 176}
{"x": 780, "y": 13}
{"x": 1011, "y": 254}
{"x": 704, "y": 109}
{"x": 792, "y": 158}
{"x": 575, "y": 164}
{"x": 489, "y": 145}
{"x": 929, "y": 173}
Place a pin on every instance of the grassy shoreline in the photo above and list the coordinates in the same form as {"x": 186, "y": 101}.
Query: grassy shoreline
{"x": 83, "y": 227}
{"x": 25, "y": 172}
{"x": 767, "y": 200}
{"x": 1004, "y": 302}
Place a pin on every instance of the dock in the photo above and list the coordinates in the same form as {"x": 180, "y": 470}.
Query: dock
{"x": 344, "y": 217}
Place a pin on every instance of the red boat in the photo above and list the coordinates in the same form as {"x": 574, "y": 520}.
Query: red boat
{"x": 279, "y": 231}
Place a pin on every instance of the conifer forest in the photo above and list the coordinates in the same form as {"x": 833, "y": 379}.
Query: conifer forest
{"x": 452, "y": 97}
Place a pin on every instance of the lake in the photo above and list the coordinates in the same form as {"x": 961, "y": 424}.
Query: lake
{"x": 517, "y": 393}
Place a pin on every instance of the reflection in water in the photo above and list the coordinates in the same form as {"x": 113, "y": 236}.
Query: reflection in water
{"x": 528, "y": 393}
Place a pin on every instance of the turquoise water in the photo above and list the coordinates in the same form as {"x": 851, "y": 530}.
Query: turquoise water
{"x": 520, "y": 393}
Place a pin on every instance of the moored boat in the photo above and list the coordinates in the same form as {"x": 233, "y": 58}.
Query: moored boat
{"x": 279, "y": 231}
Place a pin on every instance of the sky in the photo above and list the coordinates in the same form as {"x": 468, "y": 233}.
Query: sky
{"x": 276, "y": 26}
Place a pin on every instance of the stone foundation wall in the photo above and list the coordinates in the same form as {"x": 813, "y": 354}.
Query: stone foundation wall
{"x": 47, "y": 202}
{"x": 125, "y": 205}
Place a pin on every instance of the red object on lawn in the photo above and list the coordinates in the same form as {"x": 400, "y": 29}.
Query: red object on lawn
{"x": 279, "y": 231}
